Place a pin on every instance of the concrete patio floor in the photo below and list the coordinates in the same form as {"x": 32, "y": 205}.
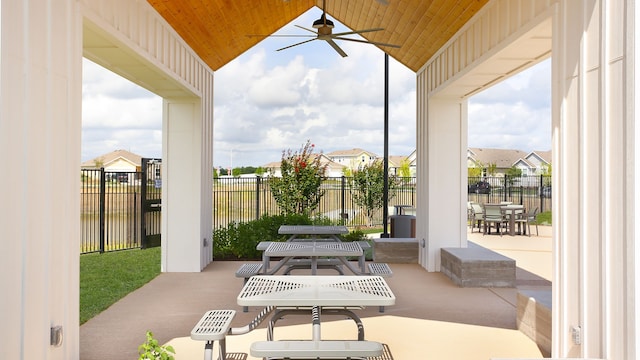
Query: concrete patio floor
{"x": 432, "y": 318}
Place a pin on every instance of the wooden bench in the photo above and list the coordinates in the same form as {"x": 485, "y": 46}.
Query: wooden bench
{"x": 213, "y": 326}
{"x": 310, "y": 349}
{"x": 246, "y": 271}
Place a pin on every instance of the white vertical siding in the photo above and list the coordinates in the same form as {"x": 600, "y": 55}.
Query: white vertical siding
{"x": 40, "y": 88}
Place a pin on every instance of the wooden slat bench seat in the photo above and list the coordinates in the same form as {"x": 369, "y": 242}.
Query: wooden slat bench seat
{"x": 310, "y": 349}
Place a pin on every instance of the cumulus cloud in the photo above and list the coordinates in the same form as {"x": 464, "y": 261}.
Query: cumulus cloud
{"x": 267, "y": 101}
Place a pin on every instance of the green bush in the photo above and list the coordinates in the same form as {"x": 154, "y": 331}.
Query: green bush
{"x": 239, "y": 240}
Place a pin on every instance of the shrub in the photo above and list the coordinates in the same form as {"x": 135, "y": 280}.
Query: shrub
{"x": 239, "y": 240}
{"x": 298, "y": 190}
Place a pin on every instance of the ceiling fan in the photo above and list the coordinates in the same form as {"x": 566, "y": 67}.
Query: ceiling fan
{"x": 324, "y": 32}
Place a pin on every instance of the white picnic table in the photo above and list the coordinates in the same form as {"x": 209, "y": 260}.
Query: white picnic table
{"x": 315, "y": 293}
{"x": 332, "y": 231}
{"x": 312, "y": 250}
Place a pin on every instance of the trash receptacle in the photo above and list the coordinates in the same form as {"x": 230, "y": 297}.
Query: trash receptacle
{"x": 403, "y": 226}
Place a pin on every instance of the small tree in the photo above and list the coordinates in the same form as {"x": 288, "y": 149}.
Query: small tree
{"x": 298, "y": 190}
{"x": 405, "y": 168}
{"x": 368, "y": 186}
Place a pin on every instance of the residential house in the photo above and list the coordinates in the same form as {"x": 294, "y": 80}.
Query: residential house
{"x": 396, "y": 162}
{"x": 353, "y": 158}
{"x": 116, "y": 161}
{"x": 333, "y": 169}
{"x": 119, "y": 161}
{"x": 532, "y": 163}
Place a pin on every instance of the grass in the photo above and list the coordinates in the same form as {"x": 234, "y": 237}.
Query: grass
{"x": 106, "y": 278}
{"x": 544, "y": 218}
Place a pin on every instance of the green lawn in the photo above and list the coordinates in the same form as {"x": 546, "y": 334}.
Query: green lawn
{"x": 106, "y": 278}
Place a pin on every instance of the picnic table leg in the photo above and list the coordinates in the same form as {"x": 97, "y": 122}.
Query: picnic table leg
{"x": 315, "y": 320}
{"x": 512, "y": 224}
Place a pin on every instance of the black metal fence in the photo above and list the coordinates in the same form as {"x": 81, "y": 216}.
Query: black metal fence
{"x": 111, "y": 202}
{"x": 110, "y": 210}
{"x": 248, "y": 198}
{"x": 530, "y": 191}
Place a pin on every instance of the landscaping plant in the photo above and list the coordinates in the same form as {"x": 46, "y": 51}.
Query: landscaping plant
{"x": 152, "y": 350}
{"x": 298, "y": 190}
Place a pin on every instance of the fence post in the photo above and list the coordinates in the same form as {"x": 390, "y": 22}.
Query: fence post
{"x": 342, "y": 196}
{"x": 541, "y": 194}
{"x": 258, "y": 197}
{"x": 506, "y": 187}
{"x": 103, "y": 190}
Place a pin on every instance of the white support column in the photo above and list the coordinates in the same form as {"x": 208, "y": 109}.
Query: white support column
{"x": 442, "y": 128}
{"x": 595, "y": 211}
{"x": 40, "y": 127}
{"x": 183, "y": 239}
{"x": 156, "y": 58}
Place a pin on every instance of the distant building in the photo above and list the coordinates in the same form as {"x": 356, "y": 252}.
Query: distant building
{"x": 353, "y": 158}
{"x": 333, "y": 169}
{"x": 531, "y": 163}
{"x": 116, "y": 161}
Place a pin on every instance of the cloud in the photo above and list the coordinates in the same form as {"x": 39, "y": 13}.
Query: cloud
{"x": 267, "y": 101}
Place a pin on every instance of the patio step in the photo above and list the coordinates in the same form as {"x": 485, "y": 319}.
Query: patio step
{"x": 213, "y": 326}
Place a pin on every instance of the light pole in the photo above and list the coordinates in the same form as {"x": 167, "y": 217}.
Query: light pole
{"x": 385, "y": 206}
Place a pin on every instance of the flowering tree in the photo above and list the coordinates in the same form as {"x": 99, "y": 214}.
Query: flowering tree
{"x": 298, "y": 190}
{"x": 368, "y": 188}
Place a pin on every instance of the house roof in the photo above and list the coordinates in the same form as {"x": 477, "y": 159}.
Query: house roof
{"x": 324, "y": 160}
{"x": 396, "y": 160}
{"x": 503, "y": 158}
{"x": 113, "y": 156}
{"x": 351, "y": 152}
{"x": 217, "y": 29}
{"x": 545, "y": 156}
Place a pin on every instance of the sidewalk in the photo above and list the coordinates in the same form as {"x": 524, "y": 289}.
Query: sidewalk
{"x": 432, "y": 318}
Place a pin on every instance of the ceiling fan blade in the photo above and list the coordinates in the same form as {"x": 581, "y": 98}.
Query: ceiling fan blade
{"x": 304, "y": 28}
{"x": 357, "y": 32}
{"x": 300, "y": 43}
{"x": 367, "y": 42}
{"x": 336, "y": 47}
{"x": 266, "y": 36}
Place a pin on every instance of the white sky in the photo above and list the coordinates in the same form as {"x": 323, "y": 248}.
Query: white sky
{"x": 267, "y": 101}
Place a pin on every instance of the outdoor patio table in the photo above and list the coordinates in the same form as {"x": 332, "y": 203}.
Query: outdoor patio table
{"x": 312, "y": 250}
{"x": 324, "y": 230}
{"x": 316, "y": 292}
{"x": 512, "y": 211}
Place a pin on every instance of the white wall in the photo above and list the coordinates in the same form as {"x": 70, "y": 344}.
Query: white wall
{"x": 40, "y": 219}
{"x": 595, "y": 283}
{"x": 40, "y": 127}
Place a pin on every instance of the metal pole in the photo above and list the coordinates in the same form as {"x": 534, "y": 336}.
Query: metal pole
{"x": 385, "y": 207}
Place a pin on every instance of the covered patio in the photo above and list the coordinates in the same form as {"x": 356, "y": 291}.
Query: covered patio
{"x": 456, "y": 48}
{"x": 433, "y": 318}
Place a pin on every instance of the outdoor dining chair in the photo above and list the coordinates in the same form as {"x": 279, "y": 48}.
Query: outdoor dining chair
{"x": 475, "y": 216}
{"x": 493, "y": 215}
{"x": 528, "y": 218}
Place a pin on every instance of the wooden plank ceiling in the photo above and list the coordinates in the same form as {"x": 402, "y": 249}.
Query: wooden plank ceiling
{"x": 217, "y": 29}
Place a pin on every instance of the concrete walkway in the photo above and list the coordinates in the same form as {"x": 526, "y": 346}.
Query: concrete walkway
{"x": 432, "y": 318}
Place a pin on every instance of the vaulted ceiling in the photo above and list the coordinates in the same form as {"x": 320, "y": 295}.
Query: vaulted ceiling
{"x": 217, "y": 29}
